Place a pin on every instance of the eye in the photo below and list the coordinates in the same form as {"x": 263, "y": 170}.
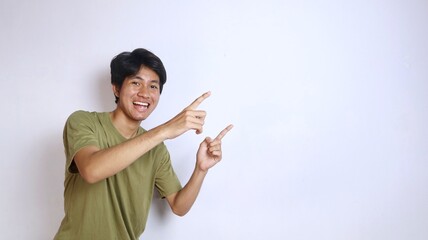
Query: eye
{"x": 135, "y": 83}
{"x": 154, "y": 86}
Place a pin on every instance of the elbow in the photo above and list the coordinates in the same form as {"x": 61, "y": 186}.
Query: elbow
{"x": 180, "y": 210}
{"x": 89, "y": 176}
{"x": 90, "y": 180}
{"x": 179, "y": 213}
{"x": 180, "y": 204}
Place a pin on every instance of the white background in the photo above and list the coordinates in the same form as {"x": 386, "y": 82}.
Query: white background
{"x": 329, "y": 100}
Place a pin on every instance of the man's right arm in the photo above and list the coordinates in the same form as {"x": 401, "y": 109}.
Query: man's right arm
{"x": 96, "y": 164}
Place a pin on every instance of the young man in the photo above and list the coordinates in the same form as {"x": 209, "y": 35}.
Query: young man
{"x": 113, "y": 164}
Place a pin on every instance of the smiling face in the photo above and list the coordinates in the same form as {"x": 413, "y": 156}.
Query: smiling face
{"x": 139, "y": 95}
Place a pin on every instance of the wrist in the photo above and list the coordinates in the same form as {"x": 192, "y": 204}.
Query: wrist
{"x": 161, "y": 132}
{"x": 199, "y": 170}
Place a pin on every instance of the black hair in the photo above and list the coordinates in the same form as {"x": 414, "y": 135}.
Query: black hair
{"x": 128, "y": 64}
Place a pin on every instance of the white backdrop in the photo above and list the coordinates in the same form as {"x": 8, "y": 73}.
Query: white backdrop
{"x": 328, "y": 98}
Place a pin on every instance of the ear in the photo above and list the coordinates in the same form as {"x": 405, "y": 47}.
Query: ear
{"x": 116, "y": 90}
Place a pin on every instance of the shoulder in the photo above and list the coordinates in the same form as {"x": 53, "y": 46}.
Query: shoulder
{"x": 82, "y": 120}
{"x": 81, "y": 115}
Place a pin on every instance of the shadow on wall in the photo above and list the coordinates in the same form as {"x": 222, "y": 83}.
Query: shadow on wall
{"x": 50, "y": 181}
{"x": 105, "y": 93}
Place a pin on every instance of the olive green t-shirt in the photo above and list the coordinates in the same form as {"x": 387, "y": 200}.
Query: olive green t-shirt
{"x": 116, "y": 207}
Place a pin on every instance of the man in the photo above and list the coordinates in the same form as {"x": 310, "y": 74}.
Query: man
{"x": 113, "y": 164}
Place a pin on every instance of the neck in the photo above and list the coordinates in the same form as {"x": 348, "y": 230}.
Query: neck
{"x": 126, "y": 127}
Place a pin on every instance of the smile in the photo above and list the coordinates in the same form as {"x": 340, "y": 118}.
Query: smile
{"x": 141, "y": 104}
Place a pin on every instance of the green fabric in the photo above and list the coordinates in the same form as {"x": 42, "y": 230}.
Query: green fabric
{"x": 117, "y": 207}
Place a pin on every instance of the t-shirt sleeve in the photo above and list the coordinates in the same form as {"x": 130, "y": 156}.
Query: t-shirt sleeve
{"x": 166, "y": 180}
{"x": 79, "y": 132}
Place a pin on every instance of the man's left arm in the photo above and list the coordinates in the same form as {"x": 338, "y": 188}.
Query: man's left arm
{"x": 208, "y": 155}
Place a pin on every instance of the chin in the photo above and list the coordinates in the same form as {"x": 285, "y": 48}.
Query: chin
{"x": 141, "y": 118}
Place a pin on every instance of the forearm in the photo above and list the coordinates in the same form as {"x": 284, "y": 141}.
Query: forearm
{"x": 186, "y": 197}
{"x": 95, "y": 165}
{"x": 208, "y": 155}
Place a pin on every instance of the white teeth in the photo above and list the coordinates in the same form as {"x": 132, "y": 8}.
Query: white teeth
{"x": 141, "y": 104}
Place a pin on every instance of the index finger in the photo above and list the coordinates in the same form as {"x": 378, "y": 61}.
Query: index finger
{"x": 198, "y": 101}
{"x": 223, "y": 133}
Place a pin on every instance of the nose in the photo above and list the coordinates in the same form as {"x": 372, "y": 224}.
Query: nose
{"x": 143, "y": 92}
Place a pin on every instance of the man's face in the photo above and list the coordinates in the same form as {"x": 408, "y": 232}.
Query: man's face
{"x": 139, "y": 94}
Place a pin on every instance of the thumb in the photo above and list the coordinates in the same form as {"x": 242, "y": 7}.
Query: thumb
{"x": 208, "y": 140}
